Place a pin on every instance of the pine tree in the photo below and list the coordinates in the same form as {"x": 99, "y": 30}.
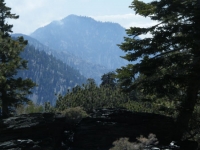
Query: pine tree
{"x": 13, "y": 91}
{"x": 170, "y": 59}
{"x": 108, "y": 79}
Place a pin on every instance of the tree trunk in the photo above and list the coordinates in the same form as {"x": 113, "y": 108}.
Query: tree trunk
{"x": 5, "y": 111}
{"x": 186, "y": 110}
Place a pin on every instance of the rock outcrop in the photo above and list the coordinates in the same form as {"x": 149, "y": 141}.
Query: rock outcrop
{"x": 32, "y": 131}
{"x": 47, "y": 131}
{"x": 108, "y": 125}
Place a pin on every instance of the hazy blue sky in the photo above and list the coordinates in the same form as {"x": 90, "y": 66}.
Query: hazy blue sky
{"x": 37, "y": 13}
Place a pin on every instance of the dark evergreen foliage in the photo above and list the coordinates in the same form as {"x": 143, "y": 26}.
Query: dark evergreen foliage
{"x": 170, "y": 59}
{"x": 89, "y": 96}
{"x": 108, "y": 79}
{"x": 13, "y": 91}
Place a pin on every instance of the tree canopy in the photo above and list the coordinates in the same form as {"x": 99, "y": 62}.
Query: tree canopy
{"x": 13, "y": 90}
{"x": 108, "y": 79}
{"x": 169, "y": 59}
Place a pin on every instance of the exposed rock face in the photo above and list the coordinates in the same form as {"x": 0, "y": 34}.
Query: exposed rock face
{"x": 51, "y": 132}
{"x": 32, "y": 131}
{"x": 108, "y": 125}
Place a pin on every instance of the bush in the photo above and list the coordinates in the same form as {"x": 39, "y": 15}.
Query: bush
{"x": 29, "y": 108}
{"x": 124, "y": 144}
{"x": 74, "y": 115}
{"x": 92, "y": 97}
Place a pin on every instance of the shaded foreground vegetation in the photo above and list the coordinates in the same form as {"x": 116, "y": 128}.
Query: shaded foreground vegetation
{"x": 82, "y": 100}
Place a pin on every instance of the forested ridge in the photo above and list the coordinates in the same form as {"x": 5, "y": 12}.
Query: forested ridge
{"x": 51, "y": 75}
{"x": 86, "y": 68}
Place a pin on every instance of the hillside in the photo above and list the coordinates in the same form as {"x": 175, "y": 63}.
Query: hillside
{"x": 86, "y": 68}
{"x": 51, "y": 75}
{"x": 90, "y": 40}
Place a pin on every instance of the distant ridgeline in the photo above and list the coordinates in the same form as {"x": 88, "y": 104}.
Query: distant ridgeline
{"x": 50, "y": 74}
{"x": 87, "y": 69}
{"x": 86, "y": 38}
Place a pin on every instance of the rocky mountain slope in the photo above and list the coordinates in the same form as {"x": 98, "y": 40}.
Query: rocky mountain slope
{"x": 86, "y": 68}
{"x": 85, "y": 38}
{"x": 50, "y": 74}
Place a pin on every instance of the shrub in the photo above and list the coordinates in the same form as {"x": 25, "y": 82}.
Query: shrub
{"x": 74, "y": 115}
{"x": 124, "y": 144}
{"x": 151, "y": 140}
{"x": 91, "y": 97}
{"x": 48, "y": 108}
{"x": 29, "y": 108}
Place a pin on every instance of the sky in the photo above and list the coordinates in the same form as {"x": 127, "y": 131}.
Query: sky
{"x": 38, "y": 13}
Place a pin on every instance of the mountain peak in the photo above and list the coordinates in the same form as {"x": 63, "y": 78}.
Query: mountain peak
{"x": 77, "y": 19}
{"x": 76, "y": 16}
{"x": 86, "y": 38}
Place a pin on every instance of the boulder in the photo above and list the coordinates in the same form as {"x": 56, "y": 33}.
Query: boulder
{"x": 32, "y": 131}
{"x": 48, "y": 131}
{"x": 108, "y": 125}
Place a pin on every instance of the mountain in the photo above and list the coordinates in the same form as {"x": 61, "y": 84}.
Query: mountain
{"x": 83, "y": 37}
{"x": 86, "y": 68}
{"x": 50, "y": 74}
